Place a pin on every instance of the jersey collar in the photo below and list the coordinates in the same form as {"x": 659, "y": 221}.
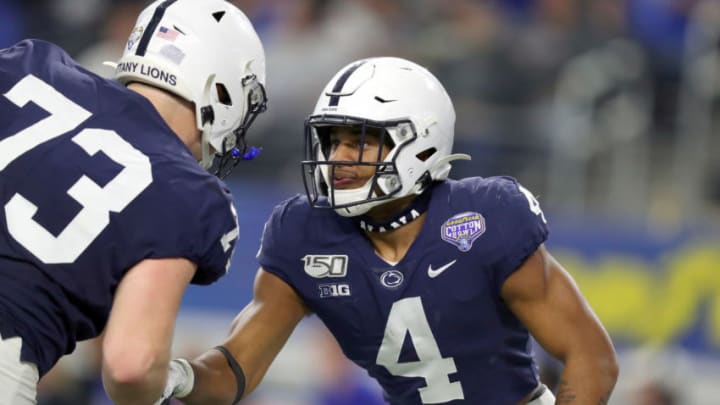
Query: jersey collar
{"x": 412, "y": 212}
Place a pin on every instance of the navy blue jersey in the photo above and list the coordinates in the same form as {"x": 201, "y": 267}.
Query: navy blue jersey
{"x": 92, "y": 181}
{"x": 433, "y": 327}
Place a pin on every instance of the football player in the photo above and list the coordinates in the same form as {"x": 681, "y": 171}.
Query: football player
{"x": 105, "y": 213}
{"x": 434, "y": 286}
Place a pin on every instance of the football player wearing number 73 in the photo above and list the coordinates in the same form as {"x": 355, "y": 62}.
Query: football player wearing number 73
{"x": 105, "y": 214}
{"x": 434, "y": 286}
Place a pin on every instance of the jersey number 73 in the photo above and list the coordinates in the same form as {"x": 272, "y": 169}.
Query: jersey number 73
{"x": 97, "y": 202}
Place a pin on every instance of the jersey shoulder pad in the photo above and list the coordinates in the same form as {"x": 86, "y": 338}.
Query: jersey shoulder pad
{"x": 198, "y": 213}
{"x": 513, "y": 217}
{"x": 293, "y": 228}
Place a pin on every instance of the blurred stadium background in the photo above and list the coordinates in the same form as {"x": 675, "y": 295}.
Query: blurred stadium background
{"x": 606, "y": 109}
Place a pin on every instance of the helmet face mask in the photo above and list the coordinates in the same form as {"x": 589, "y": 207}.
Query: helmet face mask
{"x": 234, "y": 146}
{"x": 183, "y": 47}
{"x": 319, "y": 170}
{"x": 410, "y": 106}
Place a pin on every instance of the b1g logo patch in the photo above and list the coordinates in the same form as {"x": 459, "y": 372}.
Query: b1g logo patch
{"x": 334, "y": 290}
{"x": 321, "y": 266}
{"x": 463, "y": 229}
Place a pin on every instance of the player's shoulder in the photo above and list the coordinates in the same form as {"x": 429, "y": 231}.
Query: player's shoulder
{"x": 496, "y": 190}
{"x": 295, "y": 221}
{"x": 296, "y": 211}
{"x": 32, "y": 57}
{"x": 296, "y": 228}
{"x": 476, "y": 183}
{"x": 183, "y": 182}
{"x": 43, "y": 64}
{"x": 33, "y": 48}
{"x": 44, "y": 60}
{"x": 501, "y": 197}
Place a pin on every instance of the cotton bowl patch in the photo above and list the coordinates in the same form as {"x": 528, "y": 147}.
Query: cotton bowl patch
{"x": 462, "y": 229}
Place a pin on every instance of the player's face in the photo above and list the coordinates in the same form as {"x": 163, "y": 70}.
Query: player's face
{"x": 346, "y": 145}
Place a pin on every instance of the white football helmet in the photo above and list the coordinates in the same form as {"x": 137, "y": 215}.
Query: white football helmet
{"x": 207, "y": 52}
{"x": 411, "y": 107}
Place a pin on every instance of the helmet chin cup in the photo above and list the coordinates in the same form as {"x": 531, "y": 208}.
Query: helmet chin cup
{"x": 354, "y": 202}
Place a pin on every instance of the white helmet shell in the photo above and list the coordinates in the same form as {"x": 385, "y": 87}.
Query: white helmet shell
{"x": 414, "y": 109}
{"x": 207, "y": 52}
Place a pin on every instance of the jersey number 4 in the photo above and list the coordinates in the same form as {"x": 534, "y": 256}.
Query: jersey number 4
{"x": 97, "y": 202}
{"x": 408, "y": 316}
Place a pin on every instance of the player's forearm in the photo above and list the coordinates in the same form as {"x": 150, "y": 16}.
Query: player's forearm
{"x": 587, "y": 381}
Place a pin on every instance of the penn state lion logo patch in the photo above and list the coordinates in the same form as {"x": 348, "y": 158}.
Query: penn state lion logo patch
{"x": 463, "y": 229}
{"x": 134, "y": 37}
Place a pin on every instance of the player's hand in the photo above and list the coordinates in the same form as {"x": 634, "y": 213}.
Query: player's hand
{"x": 180, "y": 381}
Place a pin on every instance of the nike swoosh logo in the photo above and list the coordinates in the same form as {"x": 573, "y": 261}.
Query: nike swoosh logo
{"x": 434, "y": 273}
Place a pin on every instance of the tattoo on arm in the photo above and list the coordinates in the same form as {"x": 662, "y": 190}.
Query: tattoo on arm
{"x": 566, "y": 395}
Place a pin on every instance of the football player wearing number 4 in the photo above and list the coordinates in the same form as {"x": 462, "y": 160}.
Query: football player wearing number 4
{"x": 433, "y": 285}
{"x": 105, "y": 214}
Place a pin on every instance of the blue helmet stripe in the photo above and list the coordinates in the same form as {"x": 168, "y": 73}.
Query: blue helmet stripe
{"x": 335, "y": 99}
{"x": 154, "y": 21}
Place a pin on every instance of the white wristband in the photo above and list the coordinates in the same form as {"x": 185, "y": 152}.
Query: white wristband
{"x": 547, "y": 398}
{"x": 181, "y": 375}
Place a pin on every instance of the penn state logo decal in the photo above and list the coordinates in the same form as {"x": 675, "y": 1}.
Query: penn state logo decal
{"x": 391, "y": 278}
{"x": 134, "y": 37}
{"x": 463, "y": 229}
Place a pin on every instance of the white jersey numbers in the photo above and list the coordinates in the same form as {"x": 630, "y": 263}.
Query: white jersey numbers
{"x": 407, "y": 316}
{"x": 97, "y": 202}
{"x": 534, "y": 204}
{"x": 64, "y": 116}
{"x": 227, "y": 239}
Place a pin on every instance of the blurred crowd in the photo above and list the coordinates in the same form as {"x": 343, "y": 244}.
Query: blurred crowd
{"x": 598, "y": 106}
{"x": 602, "y": 107}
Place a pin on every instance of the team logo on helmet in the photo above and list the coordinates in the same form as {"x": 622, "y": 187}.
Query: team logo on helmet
{"x": 135, "y": 36}
{"x": 463, "y": 229}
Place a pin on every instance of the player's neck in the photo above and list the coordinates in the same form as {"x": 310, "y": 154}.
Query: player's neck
{"x": 178, "y": 114}
{"x": 394, "y": 214}
{"x": 393, "y": 245}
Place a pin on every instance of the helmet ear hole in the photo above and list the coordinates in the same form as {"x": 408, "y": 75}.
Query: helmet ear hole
{"x": 223, "y": 95}
{"x": 426, "y": 154}
{"x": 207, "y": 115}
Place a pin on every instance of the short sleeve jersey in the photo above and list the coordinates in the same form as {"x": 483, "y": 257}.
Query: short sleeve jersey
{"x": 92, "y": 181}
{"x": 433, "y": 327}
